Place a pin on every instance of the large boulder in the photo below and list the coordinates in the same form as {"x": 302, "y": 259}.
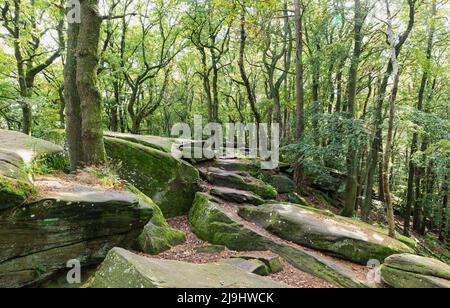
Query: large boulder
{"x": 38, "y": 239}
{"x": 167, "y": 145}
{"x": 123, "y": 269}
{"x": 177, "y": 147}
{"x": 411, "y": 271}
{"x": 282, "y": 183}
{"x": 157, "y": 235}
{"x": 18, "y": 152}
{"x": 238, "y": 196}
{"x": 214, "y": 224}
{"x": 219, "y": 225}
{"x": 324, "y": 231}
{"x": 240, "y": 181}
{"x": 170, "y": 182}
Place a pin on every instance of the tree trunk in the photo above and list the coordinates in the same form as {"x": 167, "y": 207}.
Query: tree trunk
{"x": 248, "y": 87}
{"x": 300, "y": 124}
{"x": 390, "y": 133}
{"x": 352, "y": 157}
{"x": 90, "y": 98}
{"x": 72, "y": 99}
{"x": 443, "y": 228}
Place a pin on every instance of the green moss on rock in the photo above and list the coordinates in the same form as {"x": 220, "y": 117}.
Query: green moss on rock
{"x": 37, "y": 240}
{"x": 323, "y": 232}
{"x": 171, "y": 183}
{"x": 157, "y": 236}
{"x": 419, "y": 265}
{"x": 211, "y": 223}
{"x": 407, "y": 280}
{"x": 241, "y": 181}
{"x": 282, "y": 183}
{"x": 13, "y": 192}
{"x": 123, "y": 269}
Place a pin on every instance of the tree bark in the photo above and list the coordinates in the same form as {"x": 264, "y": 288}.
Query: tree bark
{"x": 443, "y": 227}
{"x": 72, "y": 99}
{"x": 352, "y": 157}
{"x": 248, "y": 87}
{"x": 300, "y": 123}
{"x": 388, "y": 146}
{"x": 90, "y": 98}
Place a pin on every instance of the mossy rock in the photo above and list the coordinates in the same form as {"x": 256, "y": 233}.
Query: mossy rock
{"x": 157, "y": 236}
{"x": 212, "y": 223}
{"x": 273, "y": 263}
{"x": 405, "y": 240}
{"x": 297, "y": 199}
{"x": 241, "y": 181}
{"x": 238, "y": 196}
{"x": 282, "y": 183}
{"x": 419, "y": 265}
{"x": 169, "y": 182}
{"x": 37, "y": 240}
{"x": 253, "y": 266}
{"x": 400, "y": 279}
{"x": 18, "y": 153}
{"x": 123, "y": 269}
{"x": 327, "y": 233}
{"x": 155, "y": 142}
{"x": 13, "y": 192}
{"x": 239, "y": 165}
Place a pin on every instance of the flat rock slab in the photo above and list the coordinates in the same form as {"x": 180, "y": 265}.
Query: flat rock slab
{"x": 407, "y": 280}
{"x": 241, "y": 181}
{"x": 177, "y": 147}
{"x": 238, "y": 196}
{"x": 253, "y": 266}
{"x": 38, "y": 239}
{"x": 419, "y": 265}
{"x": 323, "y": 231}
{"x": 216, "y": 224}
{"x": 17, "y": 152}
{"x": 411, "y": 271}
{"x": 272, "y": 262}
{"x": 237, "y": 165}
{"x": 26, "y": 147}
{"x": 123, "y": 269}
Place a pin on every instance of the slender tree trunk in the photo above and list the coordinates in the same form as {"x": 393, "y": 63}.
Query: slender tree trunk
{"x": 300, "y": 124}
{"x": 72, "y": 99}
{"x": 428, "y": 204}
{"x": 114, "y": 125}
{"x": 352, "y": 157}
{"x": 90, "y": 98}
{"x": 389, "y": 138}
{"x": 443, "y": 227}
{"x": 339, "y": 89}
{"x": 248, "y": 87}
